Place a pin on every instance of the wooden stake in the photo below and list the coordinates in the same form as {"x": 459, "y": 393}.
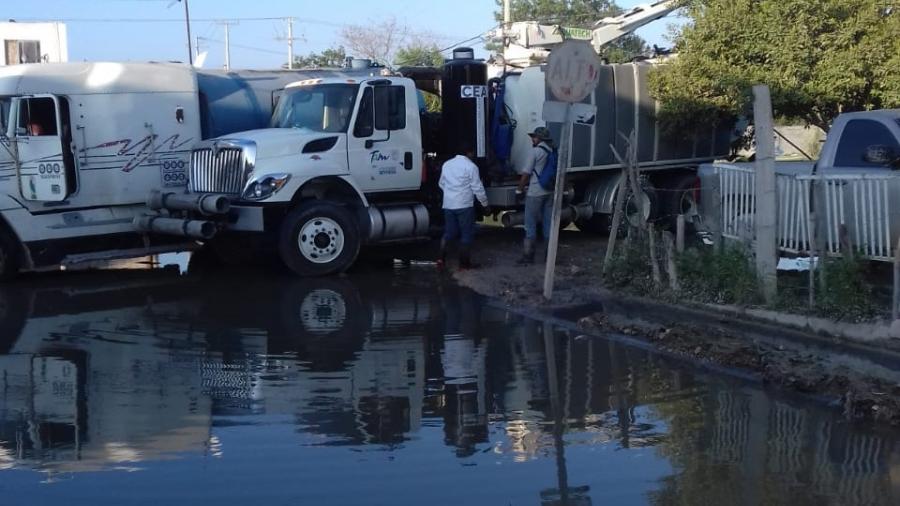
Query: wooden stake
{"x": 565, "y": 158}
{"x": 654, "y": 260}
{"x": 671, "y": 264}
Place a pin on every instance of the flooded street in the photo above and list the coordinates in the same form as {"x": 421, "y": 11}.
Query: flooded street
{"x": 385, "y": 388}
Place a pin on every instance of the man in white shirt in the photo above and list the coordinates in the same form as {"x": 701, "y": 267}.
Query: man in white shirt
{"x": 461, "y": 184}
{"x": 538, "y": 201}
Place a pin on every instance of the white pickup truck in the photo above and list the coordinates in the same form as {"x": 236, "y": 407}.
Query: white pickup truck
{"x": 860, "y": 155}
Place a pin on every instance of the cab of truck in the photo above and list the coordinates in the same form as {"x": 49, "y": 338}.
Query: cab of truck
{"x": 339, "y": 166}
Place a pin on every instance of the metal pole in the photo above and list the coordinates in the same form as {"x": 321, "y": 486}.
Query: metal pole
{"x": 507, "y": 15}
{"x": 187, "y": 23}
{"x": 766, "y": 199}
{"x": 290, "y": 41}
{"x": 553, "y": 240}
{"x": 227, "y": 46}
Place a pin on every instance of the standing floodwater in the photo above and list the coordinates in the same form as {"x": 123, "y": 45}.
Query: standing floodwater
{"x": 393, "y": 388}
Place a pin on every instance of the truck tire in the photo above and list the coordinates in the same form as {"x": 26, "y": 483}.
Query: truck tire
{"x": 319, "y": 238}
{"x": 634, "y": 214}
{"x": 10, "y": 256}
{"x": 681, "y": 198}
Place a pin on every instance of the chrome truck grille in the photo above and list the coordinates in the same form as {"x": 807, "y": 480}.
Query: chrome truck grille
{"x": 221, "y": 167}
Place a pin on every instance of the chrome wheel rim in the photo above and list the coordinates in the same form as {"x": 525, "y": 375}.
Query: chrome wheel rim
{"x": 321, "y": 240}
{"x": 637, "y": 212}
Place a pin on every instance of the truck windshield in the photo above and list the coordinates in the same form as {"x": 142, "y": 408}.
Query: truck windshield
{"x": 320, "y": 108}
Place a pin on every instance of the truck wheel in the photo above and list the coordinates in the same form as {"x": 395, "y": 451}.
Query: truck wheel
{"x": 319, "y": 238}
{"x": 682, "y": 199}
{"x": 10, "y": 259}
{"x": 637, "y": 211}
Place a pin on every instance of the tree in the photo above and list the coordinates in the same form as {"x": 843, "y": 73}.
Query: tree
{"x": 334, "y": 57}
{"x": 576, "y": 14}
{"x": 419, "y": 55}
{"x": 819, "y": 58}
{"x": 382, "y": 41}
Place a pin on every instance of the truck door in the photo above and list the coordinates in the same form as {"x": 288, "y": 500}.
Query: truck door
{"x": 42, "y": 137}
{"x": 384, "y": 143}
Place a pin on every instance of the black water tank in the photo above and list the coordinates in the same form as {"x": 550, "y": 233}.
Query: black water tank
{"x": 466, "y": 105}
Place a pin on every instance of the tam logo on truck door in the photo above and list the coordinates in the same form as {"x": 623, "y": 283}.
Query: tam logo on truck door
{"x": 387, "y": 162}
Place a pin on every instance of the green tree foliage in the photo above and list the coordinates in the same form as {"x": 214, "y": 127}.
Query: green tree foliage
{"x": 419, "y": 55}
{"x": 819, "y": 57}
{"x": 576, "y": 14}
{"x": 333, "y": 57}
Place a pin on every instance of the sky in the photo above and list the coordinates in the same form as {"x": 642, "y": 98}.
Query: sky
{"x": 109, "y": 29}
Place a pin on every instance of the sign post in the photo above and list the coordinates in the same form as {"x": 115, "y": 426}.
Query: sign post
{"x": 573, "y": 72}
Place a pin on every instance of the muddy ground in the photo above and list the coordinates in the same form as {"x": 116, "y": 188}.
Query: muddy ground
{"x": 863, "y": 384}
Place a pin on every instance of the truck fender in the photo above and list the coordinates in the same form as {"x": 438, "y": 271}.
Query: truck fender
{"x": 600, "y": 192}
{"x": 337, "y": 188}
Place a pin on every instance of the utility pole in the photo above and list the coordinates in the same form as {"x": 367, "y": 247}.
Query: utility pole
{"x": 507, "y": 15}
{"x": 187, "y": 23}
{"x": 290, "y": 41}
{"x": 766, "y": 194}
{"x": 227, "y": 25}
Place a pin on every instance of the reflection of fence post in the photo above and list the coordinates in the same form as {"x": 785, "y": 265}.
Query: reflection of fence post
{"x": 766, "y": 200}
{"x": 679, "y": 233}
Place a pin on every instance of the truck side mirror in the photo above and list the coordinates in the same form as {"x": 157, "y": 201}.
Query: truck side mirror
{"x": 880, "y": 154}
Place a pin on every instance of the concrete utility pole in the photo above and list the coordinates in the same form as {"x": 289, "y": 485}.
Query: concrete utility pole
{"x": 227, "y": 25}
{"x": 187, "y": 23}
{"x": 290, "y": 41}
{"x": 507, "y": 15}
{"x": 766, "y": 199}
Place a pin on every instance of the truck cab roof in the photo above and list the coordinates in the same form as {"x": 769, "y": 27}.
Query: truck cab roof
{"x": 344, "y": 79}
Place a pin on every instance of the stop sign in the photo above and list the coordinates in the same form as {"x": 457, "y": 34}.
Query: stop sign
{"x": 573, "y": 71}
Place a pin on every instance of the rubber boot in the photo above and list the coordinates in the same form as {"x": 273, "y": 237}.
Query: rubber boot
{"x": 442, "y": 256}
{"x": 465, "y": 257}
{"x": 527, "y": 257}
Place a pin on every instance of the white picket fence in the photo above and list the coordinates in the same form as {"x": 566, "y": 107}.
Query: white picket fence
{"x": 856, "y": 210}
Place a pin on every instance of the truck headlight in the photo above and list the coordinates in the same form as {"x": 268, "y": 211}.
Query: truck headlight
{"x": 264, "y": 187}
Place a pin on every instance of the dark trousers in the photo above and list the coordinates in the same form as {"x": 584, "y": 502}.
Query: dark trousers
{"x": 459, "y": 224}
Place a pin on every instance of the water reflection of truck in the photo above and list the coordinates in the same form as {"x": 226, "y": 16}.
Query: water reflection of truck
{"x": 87, "y": 363}
{"x": 347, "y": 161}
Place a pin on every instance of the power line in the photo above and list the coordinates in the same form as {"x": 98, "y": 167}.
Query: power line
{"x": 296, "y": 19}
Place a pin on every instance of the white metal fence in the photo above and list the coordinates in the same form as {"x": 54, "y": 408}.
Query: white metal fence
{"x": 849, "y": 211}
